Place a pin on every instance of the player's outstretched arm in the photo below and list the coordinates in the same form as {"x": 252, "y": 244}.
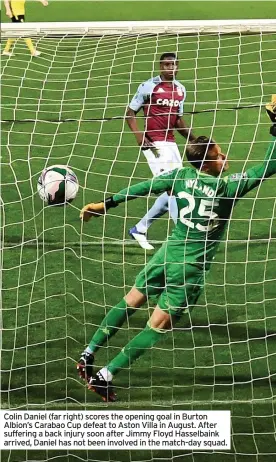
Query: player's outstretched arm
{"x": 44, "y": 2}
{"x": 156, "y": 186}
{"x": 96, "y": 209}
{"x": 240, "y": 184}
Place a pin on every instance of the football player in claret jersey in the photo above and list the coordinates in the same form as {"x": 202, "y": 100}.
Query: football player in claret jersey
{"x": 15, "y": 10}
{"x": 162, "y": 100}
{"x": 176, "y": 272}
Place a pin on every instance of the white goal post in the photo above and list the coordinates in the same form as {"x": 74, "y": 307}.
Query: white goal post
{"x": 140, "y": 27}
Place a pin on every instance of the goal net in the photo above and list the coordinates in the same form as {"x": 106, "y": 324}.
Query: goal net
{"x": 60, "y": 278}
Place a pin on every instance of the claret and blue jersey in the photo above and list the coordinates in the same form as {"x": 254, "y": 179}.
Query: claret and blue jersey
{"x": 162, "y": 103}
{"x": 204, "y": 203}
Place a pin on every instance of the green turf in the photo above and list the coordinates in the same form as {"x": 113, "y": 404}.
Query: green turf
{"x": 90, "y": 10}
{"x": 57, "y": 285}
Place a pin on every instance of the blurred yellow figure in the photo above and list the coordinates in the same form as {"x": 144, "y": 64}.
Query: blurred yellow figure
{"x": 15, "y": 9}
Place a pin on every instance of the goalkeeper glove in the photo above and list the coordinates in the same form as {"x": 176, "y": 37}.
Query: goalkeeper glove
{"x": 271, "y": 111}
{"x": 95, "y": 210}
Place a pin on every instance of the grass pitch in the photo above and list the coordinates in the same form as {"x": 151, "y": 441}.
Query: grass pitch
{"x": 60, "y": 278}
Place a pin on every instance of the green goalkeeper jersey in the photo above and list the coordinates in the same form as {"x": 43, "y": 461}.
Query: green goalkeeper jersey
{"x": 205, "y": 203}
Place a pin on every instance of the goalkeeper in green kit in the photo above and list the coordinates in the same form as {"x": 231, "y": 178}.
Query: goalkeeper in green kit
{"x": 177, "y": 270}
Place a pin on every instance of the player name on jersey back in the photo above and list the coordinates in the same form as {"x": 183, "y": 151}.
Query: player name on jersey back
{"x": 196, "y": 185}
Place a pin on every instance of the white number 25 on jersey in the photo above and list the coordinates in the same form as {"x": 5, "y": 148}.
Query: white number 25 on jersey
{"x": 202, "y": 211}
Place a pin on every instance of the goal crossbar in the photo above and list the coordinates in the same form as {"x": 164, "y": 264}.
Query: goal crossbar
{"x": 139, "y": 27}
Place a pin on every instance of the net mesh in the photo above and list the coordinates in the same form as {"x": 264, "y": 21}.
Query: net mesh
{"x": 68, "y": 107}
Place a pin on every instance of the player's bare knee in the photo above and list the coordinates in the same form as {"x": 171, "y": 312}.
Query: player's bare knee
{"x": 160, "y": 319}
{"x": 135, "y": 298}
{"x": 162, "y": 327}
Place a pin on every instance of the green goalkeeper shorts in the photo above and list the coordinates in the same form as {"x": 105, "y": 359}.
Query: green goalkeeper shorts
{"x": 178, "y": 284}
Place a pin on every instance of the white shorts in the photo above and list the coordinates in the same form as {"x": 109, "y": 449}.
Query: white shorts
{"x": 169, "y": 157}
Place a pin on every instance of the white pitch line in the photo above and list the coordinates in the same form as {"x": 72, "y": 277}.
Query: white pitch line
{"x": 131, "y": 404}
{"x": 116, "y": 242}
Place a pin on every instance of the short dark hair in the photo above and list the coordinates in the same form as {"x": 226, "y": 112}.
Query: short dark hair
{"x": 197, "y": 150}
{"x": 168, "y": 55}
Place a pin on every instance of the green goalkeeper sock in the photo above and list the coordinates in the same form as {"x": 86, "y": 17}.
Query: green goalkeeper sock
{"x": 110, "y": 324}
{"x": 135, "y": 348}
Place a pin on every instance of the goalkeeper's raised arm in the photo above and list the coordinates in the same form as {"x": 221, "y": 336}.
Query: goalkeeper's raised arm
{"x": 241, "y": 183}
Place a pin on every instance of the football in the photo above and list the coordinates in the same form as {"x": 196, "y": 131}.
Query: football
{"x": 57, "y": 185}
